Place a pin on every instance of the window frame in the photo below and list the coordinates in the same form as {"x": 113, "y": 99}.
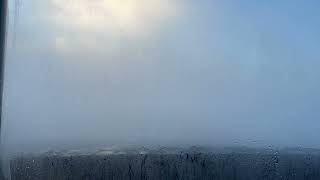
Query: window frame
{"x": 3, "y": 17}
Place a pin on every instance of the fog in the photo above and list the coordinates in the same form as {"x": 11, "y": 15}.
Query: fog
{"x": 161, "y": 72}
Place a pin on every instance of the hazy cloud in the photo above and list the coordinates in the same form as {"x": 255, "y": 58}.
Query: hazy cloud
{"x": 163, "y": 72}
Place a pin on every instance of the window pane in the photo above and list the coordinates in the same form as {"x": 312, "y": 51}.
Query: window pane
{"x": 87, "y": 75}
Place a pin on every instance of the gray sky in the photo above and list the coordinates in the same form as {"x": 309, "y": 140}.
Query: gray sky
{"x": 163, "y": 72}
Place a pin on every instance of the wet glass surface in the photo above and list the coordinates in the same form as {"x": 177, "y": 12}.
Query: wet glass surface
{"x": 94, "y": 88}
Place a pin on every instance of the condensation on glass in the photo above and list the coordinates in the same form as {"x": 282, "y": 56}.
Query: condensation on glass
{"x": 114, "y": 87}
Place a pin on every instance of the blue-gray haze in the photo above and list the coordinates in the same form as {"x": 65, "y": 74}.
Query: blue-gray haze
{"x": 162, "y": 72}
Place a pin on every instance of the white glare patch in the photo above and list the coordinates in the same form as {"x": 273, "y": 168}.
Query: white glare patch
{"x": 133, "y": 17}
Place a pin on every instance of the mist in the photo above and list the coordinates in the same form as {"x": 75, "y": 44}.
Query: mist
{"x": 107, "y": 72}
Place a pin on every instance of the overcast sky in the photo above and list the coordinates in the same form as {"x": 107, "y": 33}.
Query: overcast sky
{"x": 163, "y": 72}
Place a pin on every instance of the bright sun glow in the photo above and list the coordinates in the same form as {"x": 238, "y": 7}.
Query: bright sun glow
{"x": 129, "y": 16}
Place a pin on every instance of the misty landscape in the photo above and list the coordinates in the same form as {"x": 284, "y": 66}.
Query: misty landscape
{"x": 161, "y": 89}
{"x": 231, "y": 163}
